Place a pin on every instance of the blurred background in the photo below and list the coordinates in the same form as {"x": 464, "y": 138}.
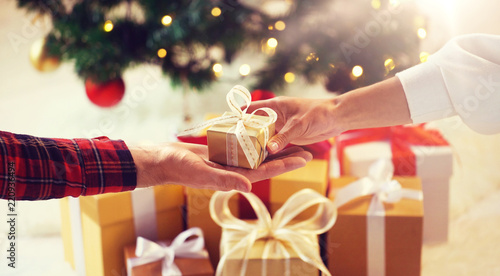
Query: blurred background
{"x": 142, "y": 70}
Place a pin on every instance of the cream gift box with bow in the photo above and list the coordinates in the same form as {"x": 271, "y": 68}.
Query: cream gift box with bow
{"x": 236, "y": 138}
{"x": 379, "y": 225}
{"x": 279, "y": 245}
{"x": 96, "y": 228}
{"x": 185, "y": 255}
{"x": 418, "y": 149}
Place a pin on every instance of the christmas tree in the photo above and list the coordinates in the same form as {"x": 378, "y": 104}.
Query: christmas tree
{"x": 345, "y": 44}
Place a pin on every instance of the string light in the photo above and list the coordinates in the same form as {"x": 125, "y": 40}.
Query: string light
{"x": 389, "y": 65}
{"x": 166, "y": 20}
{"x": 376, "y": 4}
{"x": 244, "y": 69}
{"x": 424, "y": 56}
{"x": 280, "y": 25}
{"x": 217, "y": 69}
{"x": 422, "y": 33}
{"x": 216, "y": 11}
{"x": 108, "y": 26}
{"x": 357, "y": 71}
{"x": 312, "y": 57}
{"x": 272, "y": 42}
{"x": 162, "y": 53}
{"x": 270, "y": 27}
{"x": 289, "y": 77}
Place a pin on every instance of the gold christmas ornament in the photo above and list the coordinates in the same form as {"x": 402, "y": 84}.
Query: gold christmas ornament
{"x": 40, "y": 58}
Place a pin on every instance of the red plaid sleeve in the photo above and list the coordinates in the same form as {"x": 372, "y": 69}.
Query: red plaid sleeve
{"x": 34, "y": 168}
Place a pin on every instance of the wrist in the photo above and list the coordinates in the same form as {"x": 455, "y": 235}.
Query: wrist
{"x": 337, "y": 110}
{"x": 146, "y": 159}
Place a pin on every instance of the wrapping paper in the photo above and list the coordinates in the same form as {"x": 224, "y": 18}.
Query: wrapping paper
{"x": 96, "y": 228}
{"x": 185, "y": 255}
{"x": 273, "y": 193}
{"x": 237, "y": 138}
{"x": 270, "y": 245}
{"x": 379, "y": 226}
{"x": 414, "y": 151}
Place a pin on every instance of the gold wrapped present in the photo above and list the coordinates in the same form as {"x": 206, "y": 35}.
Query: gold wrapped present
{"x": 236, "y": 138}
{"x": 273, "y": 192}
{"x": 280, "y": 245}
{"x": 185, "y": 255}
{"x": 95, "y": 229}
{"x": 379, "y": 224}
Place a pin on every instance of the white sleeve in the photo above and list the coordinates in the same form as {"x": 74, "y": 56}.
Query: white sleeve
{"x": 462, "y": 78}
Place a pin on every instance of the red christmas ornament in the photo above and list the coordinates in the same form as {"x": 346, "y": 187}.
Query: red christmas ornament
{"x": 106, "y": 94}
{"x": 261, "y": 94}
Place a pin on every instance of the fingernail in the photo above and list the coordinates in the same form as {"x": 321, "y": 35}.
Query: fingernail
{"x": 244, "y": 189}
{"x": 273, "y": 146}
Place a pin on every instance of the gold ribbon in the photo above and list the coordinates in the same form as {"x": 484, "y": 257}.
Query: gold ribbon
{"x": 242, "y": 120}
{"x": 278, "y": 231}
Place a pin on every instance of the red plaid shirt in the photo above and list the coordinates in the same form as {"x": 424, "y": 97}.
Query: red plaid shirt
{"x": 33, "y": 168}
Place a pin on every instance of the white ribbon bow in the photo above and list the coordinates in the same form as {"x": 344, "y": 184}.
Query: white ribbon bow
{"x": 278, "y": 231}
{"x": 148, "y": 251}
{"x": 380, "y": 184}
{"x": 241, "y": 119}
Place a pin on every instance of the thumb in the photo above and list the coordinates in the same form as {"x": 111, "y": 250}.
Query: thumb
{"x": 282, "y": 139}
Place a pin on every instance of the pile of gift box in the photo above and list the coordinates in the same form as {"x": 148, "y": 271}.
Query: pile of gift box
{"x": 365, "y": 205}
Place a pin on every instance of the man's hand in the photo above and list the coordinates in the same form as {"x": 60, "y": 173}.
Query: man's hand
{"x": 187, "y": 164}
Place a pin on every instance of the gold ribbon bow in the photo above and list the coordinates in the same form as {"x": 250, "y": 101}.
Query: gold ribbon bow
{"x": 277, "y": 231}
{"x": 242, "y": 120}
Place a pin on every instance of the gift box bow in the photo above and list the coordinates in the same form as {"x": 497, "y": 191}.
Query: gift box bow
{"x": 380, "y": 185}
{"x": 148, "y": 251}
{"x": 401, "y": 139}
{"x": 242, "y": 120}
{"x": 277, "y": 230}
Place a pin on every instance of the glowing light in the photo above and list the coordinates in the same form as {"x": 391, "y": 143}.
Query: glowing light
{"x": 312, "y": 57}
{"x": 270, "y": 27}
{"x": 216, "y": 11}
{"x": 245, "y": 69}
{"x": 108, "y": 26}
{"x": 217, "y": 68}
{"x": 394, "y": 3}
{"x": 389, "y": 64}
{"x": 422, "y": 33}
{"x": 357, "y": 71}
{"x": 289, "y": 77}
{"x": 166, "y": 20}
{"x": 376, "y": 4}
{"x": 280, "y": 25}
{"x": 272, "y": 42}
{"x": 162, "y": 53}
{"x": 424, "y": 56}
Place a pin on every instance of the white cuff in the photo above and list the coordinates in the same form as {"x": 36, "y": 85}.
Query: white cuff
{"x": 426, "y": 93}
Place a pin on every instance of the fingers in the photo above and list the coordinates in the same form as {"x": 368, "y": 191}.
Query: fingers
{"x": 290, "y": 159}
{"x": 259, "y": 104}
{"x": 217, "y": 177}
{"x": 287, "y": 152}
